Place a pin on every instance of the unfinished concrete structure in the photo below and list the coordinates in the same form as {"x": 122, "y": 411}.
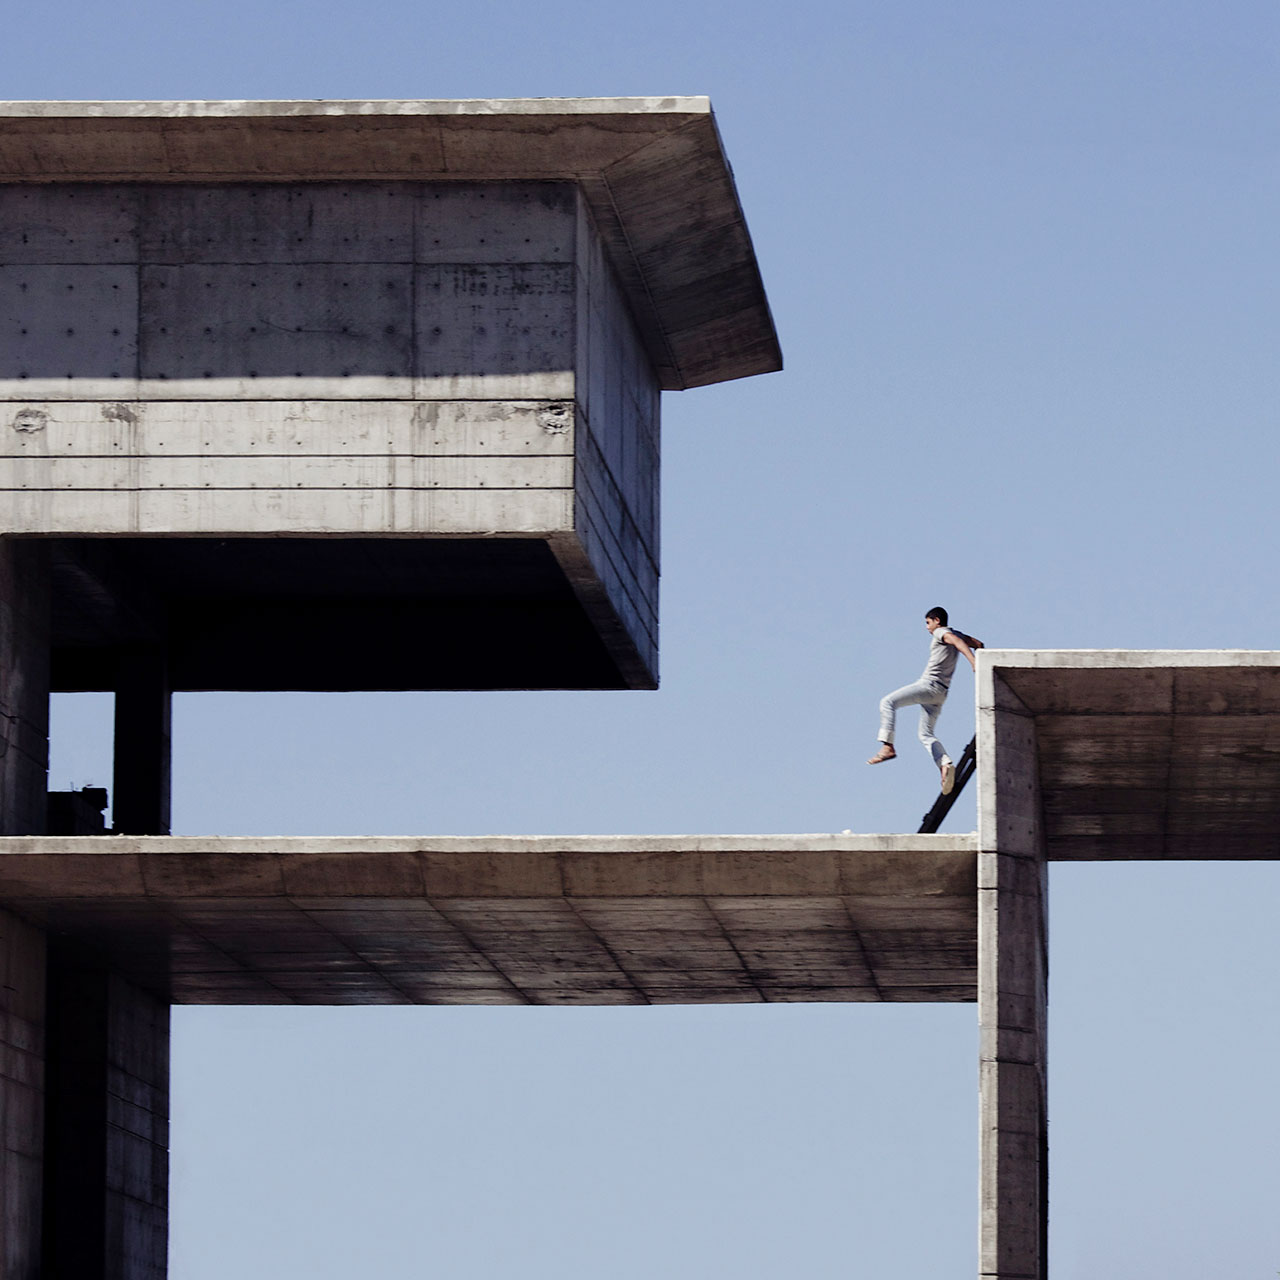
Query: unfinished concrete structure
{"x": 392, "y": 369}
{"x": 354, "y": 395}
{"x": 359, "y": 395}
{"x": 1085, "y": 755}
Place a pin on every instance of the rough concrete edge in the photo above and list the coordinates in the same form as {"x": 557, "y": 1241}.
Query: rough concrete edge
{"x": 817, "y": 843}
{"x": 1129, "y": 659}
{"x": 592, "y": 595}
{"x": 243, "y": 108}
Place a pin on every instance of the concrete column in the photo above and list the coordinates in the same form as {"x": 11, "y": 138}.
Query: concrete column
{"x": 24, "y": 686}
{"x": 141, "y": 776}
{"x": 1013, "y": 970}
{"x": 22, "y": 1070}
{"x": 107, "y": 1126}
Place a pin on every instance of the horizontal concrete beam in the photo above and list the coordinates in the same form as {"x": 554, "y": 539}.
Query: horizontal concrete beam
{"x": 513, "y": 920}
{"x": 653, "y": 171}
{"x": 1153, "y": 753}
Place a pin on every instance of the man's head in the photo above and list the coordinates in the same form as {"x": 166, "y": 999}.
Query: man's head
{"x": 935, "y": 618}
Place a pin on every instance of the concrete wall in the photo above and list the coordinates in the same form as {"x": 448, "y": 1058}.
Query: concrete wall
{"x": 372, "y": 358}
{"x": 1013, "y": 973}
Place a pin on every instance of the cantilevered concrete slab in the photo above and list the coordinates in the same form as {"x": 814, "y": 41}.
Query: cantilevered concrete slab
{"x": 1153, "y": 753}
{"x": 512, "y": 920}
{"x": 245, "y": 346}
{"x": 653, "y": 169}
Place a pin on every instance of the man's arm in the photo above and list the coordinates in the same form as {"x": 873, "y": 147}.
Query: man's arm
{"x": 952, "y": 639}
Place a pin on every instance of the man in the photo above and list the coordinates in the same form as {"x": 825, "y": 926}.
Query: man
{"x": 929, "y": 693}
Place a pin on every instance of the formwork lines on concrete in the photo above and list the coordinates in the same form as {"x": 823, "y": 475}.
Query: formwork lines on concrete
{"x": 751, "y": 977}
{"x": 576, "y": 908}
{"x": 855, "y": 933}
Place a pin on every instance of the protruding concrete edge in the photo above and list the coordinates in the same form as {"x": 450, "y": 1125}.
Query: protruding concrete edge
{"x": 653, "y": 170}
{"x": 815, "y": 843}
{"x": 1128, "y": 659}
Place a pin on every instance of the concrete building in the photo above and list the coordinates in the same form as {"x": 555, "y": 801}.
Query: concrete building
{"x": 359, "y": 395}
{"x": 364, "y": 395}
{"x": 1084, "y": 755}
{"x": 318, "y": 395}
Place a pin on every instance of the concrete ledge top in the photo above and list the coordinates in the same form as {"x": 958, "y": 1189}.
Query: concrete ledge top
{"x": 652, "y": 169}
{"x": 232, "y": 108}
{"x": 513, "y": 920}
{"x": 812, "y": 843}
{"x": 1128, "y": 659}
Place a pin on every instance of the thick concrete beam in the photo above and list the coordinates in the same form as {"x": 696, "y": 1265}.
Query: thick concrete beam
{"x": 1013, "y": 969}
{"x": 652, "y": 169}
{"x": 512, "y": 919}
{"x": 22, "y": 1096}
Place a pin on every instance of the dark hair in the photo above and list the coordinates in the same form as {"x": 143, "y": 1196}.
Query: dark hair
{"x": 938, "y": 612}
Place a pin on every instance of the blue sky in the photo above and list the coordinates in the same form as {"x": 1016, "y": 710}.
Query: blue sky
{"x": 1022, "y": 261}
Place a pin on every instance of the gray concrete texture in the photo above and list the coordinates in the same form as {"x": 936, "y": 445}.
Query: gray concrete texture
{"x": 1013, "y": 973}
{"x": 1182, "y": 742}
{"x": 378, "y": 359}
{"x": 512, "y": 920}
{"x": 652, "y": 170}
{"x": 1153, "y": 754}
{"x": 415, "y": 320}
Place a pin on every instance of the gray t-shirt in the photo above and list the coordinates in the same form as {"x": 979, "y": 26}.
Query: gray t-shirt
{"x": 942, "y": 659}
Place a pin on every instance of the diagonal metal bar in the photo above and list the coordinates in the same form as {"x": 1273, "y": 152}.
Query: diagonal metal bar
{"x": 942, "y": 805}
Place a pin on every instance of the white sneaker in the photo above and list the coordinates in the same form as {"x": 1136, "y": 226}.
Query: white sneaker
{"x": 948, "y": 778}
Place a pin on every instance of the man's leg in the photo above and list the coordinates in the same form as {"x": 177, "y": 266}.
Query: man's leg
{"x": 909, "y": 695}
{"x": 929, "y": 713}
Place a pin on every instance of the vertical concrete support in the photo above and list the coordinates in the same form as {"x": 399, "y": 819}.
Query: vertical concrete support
{"x": 22, "y": 1036}
{"x": 24, "y": 686}
{"x": 141, "y": 776}
{"x": 1013, "y": 970}
{"x": 107, "y": 1125}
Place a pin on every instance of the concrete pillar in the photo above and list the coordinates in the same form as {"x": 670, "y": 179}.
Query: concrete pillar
{"x": 22, "y": 1071}
{"x": 141, "y": 776}
{"x": 107, "y": 1126}
{"x": 24, "y": 686}
{"x": 1013, "y": 970}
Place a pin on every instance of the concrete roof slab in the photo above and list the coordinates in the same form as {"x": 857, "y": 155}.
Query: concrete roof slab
{"x": 653, "y": 171}
{"x": 1153, "y": 754}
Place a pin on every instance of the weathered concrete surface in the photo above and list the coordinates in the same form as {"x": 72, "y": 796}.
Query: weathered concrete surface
{"x": 1153, "y": 754}
{"x": 512, "y": 920}
{"x": 1013, "y": 971}
{"x": 329, "y": 360}
{"x": 653, "y": 171}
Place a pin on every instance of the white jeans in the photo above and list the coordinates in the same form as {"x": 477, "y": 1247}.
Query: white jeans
{"x": 929, "y": 698}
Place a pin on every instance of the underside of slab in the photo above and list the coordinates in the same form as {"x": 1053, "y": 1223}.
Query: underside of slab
{"x": 334, "y": 614}
{"x": 1153, "y": 753}
{"x": 512, "y": 920}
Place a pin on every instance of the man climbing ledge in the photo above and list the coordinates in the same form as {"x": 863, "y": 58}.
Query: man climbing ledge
{"x": 929, "y": 693}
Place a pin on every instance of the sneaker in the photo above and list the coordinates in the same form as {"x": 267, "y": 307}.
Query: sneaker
{"x": 948, "y": 778}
